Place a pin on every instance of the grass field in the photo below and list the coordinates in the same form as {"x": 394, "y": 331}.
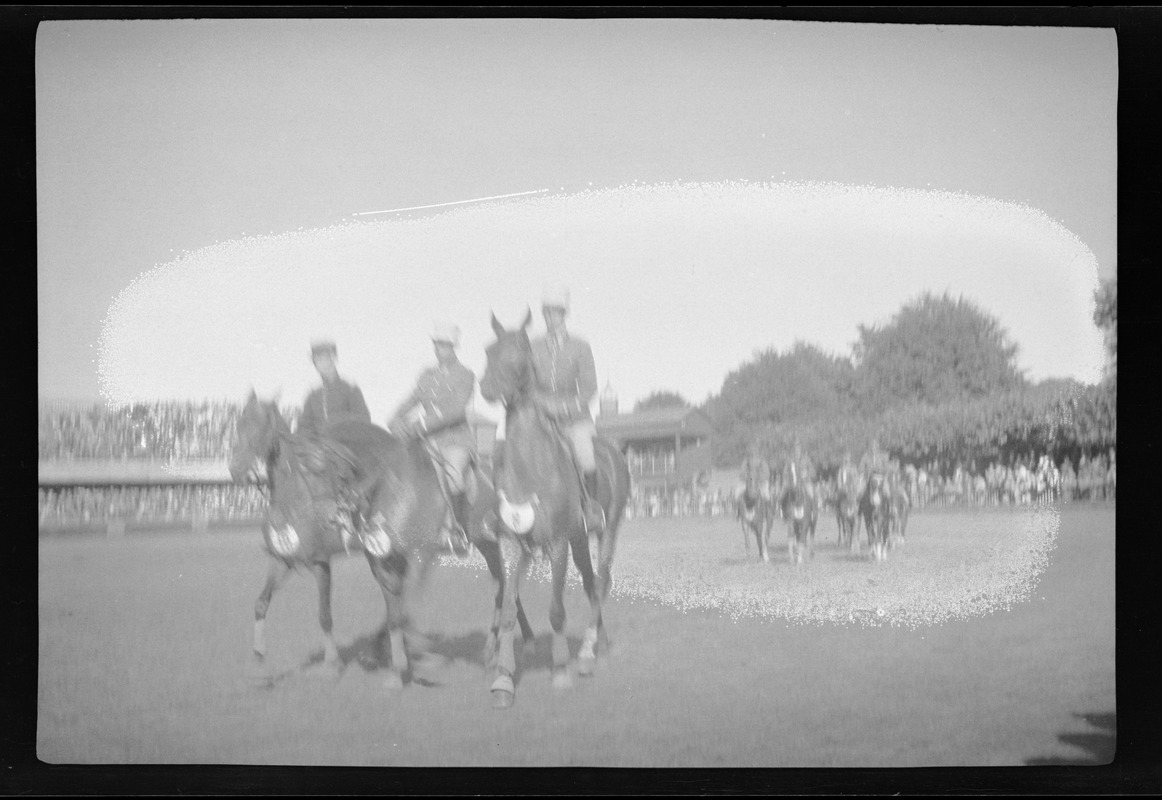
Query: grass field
{"x": 717, "y": 660}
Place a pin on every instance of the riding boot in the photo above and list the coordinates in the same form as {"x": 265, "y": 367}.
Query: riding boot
{"x": 594, "y": 513}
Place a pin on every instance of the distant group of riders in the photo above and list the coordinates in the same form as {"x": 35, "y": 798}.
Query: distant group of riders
{"x": 436, "y": 413}
{"x": 872, "y": 490}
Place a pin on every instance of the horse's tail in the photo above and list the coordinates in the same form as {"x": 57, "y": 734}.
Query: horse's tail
{"x": 617, "y": 470}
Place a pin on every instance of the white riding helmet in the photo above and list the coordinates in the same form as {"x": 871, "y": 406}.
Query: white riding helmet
{"x": 555, "y": 297}
{"x": 446, "y": 332}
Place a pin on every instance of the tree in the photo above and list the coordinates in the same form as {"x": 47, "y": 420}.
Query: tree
{"x": 776, "y": 389}
{"x": 661, "y": 399}
{"x": 1105, "y": 316}
{"x": 934, "y": 350}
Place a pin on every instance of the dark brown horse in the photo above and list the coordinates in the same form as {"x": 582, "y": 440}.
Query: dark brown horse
{"x": 875, "y": 506}
{"x": 756, "y": 513}
{"x": 847, "y": 517}
{"x": 847, "y": 508}
{"x": 539, "y": 506}
{"x": 399, "y": 487}
{"x": 802, "y": 515}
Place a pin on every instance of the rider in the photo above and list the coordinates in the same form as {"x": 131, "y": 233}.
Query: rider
{"x": 847, "y": 477}
{"x": 566, "y": 382}
{"x": 756, "y": 471}
{"x": 437, "y": 411}
{"x": 876, "y": 462}
{"x": 800, "y": 470}
{"x": 335, "y": 399}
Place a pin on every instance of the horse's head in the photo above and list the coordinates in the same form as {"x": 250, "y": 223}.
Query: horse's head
{"x": 255, "y": 436}
{"x": 796, "y": 502}
{"x": 509, "y": 370}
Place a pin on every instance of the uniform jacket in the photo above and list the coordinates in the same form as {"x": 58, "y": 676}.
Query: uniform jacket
{"x": 804, "y": 469}
{"x": 758, "y": 469}
{"x": 444, "y": 394}
{"x": 330, "y": 403}
{"x": 875, "y": 461}
{"x": 565, "y": 377}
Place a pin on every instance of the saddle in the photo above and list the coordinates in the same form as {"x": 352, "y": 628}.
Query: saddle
{"x": 331, "y": 464}
{"x": 333, "y": 474}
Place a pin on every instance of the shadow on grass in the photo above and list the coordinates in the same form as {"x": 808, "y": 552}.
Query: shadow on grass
{"x": 430, "y": 653}
{"x": 1099, "y": 745}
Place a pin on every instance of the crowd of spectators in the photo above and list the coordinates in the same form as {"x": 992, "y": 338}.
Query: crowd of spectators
{"x": 145, "y": 505}
{"x": 162, "y": 431}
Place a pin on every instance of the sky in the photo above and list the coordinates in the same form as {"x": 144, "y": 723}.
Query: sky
{"x": 706, "y": 188}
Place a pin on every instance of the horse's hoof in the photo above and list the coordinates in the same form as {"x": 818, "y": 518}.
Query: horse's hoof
{"x": 529, "y": 647}
{"x": 586, "y": 667}
{"x": 562, "y": 679}
{"x": 502, "y": 700}
{"x": 393, "y": 681}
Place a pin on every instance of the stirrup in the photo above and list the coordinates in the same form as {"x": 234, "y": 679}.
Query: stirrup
{"x": 593, "y": 508}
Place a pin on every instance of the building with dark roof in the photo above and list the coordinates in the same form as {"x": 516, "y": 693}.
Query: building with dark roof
{"x": 665, "y": 447}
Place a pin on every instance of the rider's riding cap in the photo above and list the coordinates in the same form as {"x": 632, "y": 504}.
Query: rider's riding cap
{"x": 445, "y": 332}
{"x": 555, "y": 297}
{"x": 323, "y": 347}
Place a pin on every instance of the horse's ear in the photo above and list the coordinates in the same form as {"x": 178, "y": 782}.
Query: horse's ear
{"x": 528, "y": 319}
{"x": 496, "y": 326}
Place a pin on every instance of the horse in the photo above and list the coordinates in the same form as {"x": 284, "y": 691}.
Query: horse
{"x": 405, "y": 509}
{"x": 756, "y": 514}
{"x": 875, "y": 508}
{"x": 802, "y": 514}
{"x": 899, "y": 508}
{"x": 539, "y": 506}
{"x": 847, "y": 515}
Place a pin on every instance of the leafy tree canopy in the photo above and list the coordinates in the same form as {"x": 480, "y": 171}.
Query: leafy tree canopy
{"x": 805, "y": 383}
{"x": 1105, "y": 316}
{"x": 934, "y": 350}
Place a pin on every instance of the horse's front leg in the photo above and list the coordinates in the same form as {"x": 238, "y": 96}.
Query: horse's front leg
{"x": 276, "y": 575}
{"x": 331, "y": 662}
{"x": 762, "y": 545}
{"x": 490, "y": 551}
{"x": 587, "y": 657}
{"x": 559, "y": 563}
{"x": 389, "y": 574}
{"x": 503, "y": 687}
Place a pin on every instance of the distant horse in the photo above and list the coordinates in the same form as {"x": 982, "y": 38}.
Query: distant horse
{"x": 802, "y": 514}
{"x": 875, "y": 508}
{"x": 756, "y": 514}
{"x": 404, "y": 503}
{"x": 898, "y": 512}
{"x": 539, "y": 506}
{"x": 847, "y": 515}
